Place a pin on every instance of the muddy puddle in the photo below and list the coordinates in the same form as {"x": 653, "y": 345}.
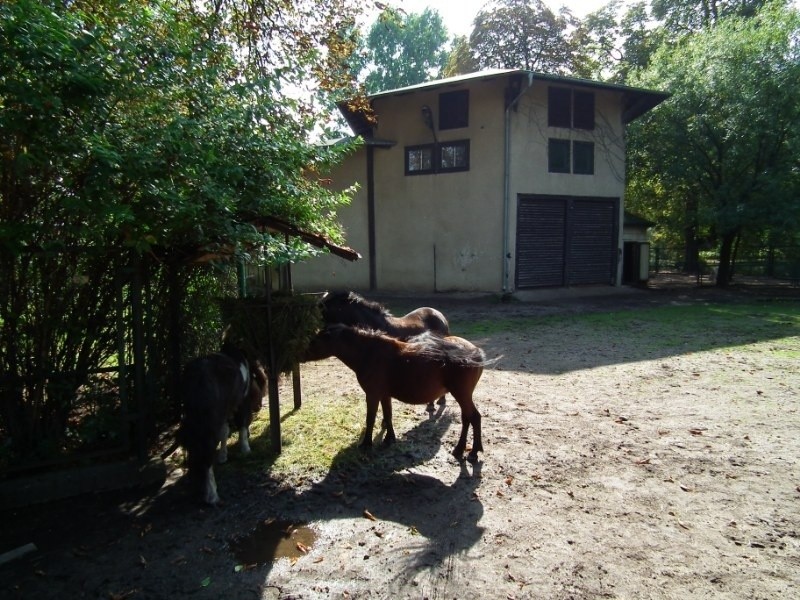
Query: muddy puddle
{"x": 274, "y": 539}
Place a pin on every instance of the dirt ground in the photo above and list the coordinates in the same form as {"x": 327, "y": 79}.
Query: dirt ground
{"x": 608, "y": 472}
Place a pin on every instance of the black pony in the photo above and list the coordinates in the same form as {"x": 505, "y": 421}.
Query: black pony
{"x": 218, "y": 388}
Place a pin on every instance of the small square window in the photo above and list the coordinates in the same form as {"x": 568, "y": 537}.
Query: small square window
{"x": 454, "y": 109}
{"x": 558, "y": 156}
{"x": 583, "y": 158}
{"x": 419, "y": 159}
{"x": 454, "y": 156}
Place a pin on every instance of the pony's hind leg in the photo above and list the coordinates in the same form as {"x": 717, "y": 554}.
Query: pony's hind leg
{"x": 386, "y": 409}
{"x": 224, "y": 432}
{"x": 477, "y": 444}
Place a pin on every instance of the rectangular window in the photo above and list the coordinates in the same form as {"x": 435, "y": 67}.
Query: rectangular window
{"x": 567, "y": 108}
{"x": 575, "y": 157}
{"x": 559, "y": 107}
{"x": 583, "y": 158}
{"x": 558, "y": 156}
{"x": 419, "y": 160}
{"x": 583, "y": 110}
{"x": 454, "y": 156}
{"x": 448, "y": 157}
{"x": 454, "y": 109}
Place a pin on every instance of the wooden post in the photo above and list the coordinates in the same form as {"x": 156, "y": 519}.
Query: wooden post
{"x": 298, "y": 396}
{"x": 272, "y": 376}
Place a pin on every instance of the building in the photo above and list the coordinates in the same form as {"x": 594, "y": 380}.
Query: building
{"x": 495, "y": 181}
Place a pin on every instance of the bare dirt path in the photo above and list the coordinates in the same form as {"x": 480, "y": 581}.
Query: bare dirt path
{"x": 609, "y": 472}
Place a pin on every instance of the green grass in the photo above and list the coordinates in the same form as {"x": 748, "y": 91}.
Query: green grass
{"x": 660, "y": 329}
{"x": 323, "y": 435}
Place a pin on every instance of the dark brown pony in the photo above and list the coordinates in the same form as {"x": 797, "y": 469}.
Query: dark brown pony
{"x": 348, "y": 308}
{"x": 217, "y": 389}
{"x": 415, "y": 372}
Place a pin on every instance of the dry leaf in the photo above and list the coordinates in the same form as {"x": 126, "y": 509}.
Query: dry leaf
{"x": 643, "y": 461}
{"x": 302, "y": 547}
{"x": 369, "y": 515}
{"x": 509, "y": 480}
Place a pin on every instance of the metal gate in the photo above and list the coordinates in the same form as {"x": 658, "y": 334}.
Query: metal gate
{"x": 566, "y": 240}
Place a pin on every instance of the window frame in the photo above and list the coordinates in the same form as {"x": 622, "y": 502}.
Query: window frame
{"x": 575, "y": 157}
{"x": 436, "y": 157}
{"x": 453, "y": 110}
{"x": 420, "y": 147}
{"x": 572, "y": 159}
{"x": 552, "y": 143}
{"x": 568, "y": 108}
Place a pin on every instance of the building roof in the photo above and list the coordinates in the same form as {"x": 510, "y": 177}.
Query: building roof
{"x": 637, "y": 101}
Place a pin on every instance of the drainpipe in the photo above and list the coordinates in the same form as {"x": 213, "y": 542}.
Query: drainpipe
{"x": 507, "y": 181}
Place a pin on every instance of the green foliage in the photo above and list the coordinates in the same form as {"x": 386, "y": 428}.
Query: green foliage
{"x": 725, "y": 145}
{"x": 133, "y": 136}
{"x": 405, "y": 49}
{"x": 523, "y": 34}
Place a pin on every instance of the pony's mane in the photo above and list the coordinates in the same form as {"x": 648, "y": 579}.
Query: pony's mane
{"x": 349, "y": 297}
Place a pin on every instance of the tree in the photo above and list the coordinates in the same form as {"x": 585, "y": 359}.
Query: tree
{"x": 143, "y": 129}
{"x": 725, "y": 144}
{"x": 682, "y": 16}
{"x": 523, "y": 34}
{"x": 405, "y": 49}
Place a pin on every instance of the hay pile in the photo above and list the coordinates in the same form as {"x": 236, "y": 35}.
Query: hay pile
{"x": 295, "y": 320}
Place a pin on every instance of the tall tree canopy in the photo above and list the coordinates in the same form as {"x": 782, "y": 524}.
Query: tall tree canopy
{"x": 725, "y": 146}
{"x": 522, "y": 34}
{"x": 404, "y": 49}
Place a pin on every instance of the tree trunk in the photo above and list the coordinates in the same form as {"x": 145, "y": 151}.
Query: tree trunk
{"x": 725, "y": 260}
{"x": 690, "y": 248}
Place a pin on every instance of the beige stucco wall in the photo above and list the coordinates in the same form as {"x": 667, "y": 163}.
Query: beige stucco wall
{"x": 445, "y": 231}
{"x": 439, "y": 231}
{"x": 330, "y": 272}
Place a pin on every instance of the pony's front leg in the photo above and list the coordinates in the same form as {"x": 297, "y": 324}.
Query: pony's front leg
{"x": 244, "y": 440}
{"x": 372, "y": 412}
{"x": 224, "y": 432}
{"x": 386, "y": 409}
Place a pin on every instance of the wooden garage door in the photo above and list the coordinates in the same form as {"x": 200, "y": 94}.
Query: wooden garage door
{"x": 566, "y": 241}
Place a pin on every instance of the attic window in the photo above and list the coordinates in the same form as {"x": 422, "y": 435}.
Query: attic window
{"x": 570, "y": 109}
{"x": 454, "y": 109}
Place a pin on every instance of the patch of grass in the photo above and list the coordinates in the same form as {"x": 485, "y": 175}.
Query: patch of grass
{"x": 689, "y": 327}
{"x": 322, "y": 435}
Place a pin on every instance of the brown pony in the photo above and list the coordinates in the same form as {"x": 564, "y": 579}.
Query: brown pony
{"x": 348, "y": 308}
{"x": 415, "y": 372}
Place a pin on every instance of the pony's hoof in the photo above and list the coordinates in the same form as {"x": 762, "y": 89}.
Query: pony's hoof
{"x": 472, "y": 457}
{"x": 430, "y": 408}
{"x": 388, "y": 441}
